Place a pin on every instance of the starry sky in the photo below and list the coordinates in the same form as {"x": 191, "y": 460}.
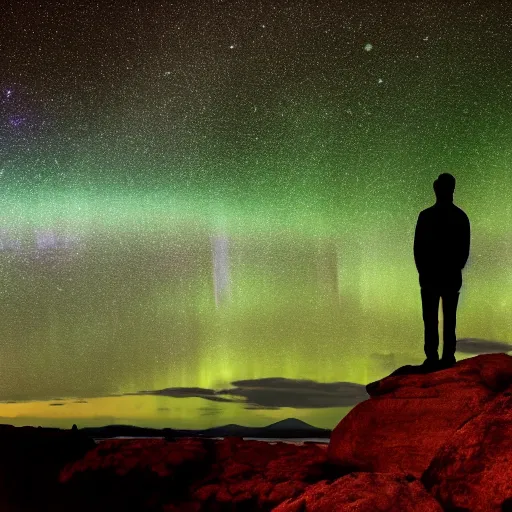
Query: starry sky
{"x": 208, "y": 208}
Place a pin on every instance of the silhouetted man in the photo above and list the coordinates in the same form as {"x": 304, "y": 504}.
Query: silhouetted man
{"x": 441, "y": 250}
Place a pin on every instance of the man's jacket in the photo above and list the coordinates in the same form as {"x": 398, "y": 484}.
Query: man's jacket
{"x": 441, "y": 242}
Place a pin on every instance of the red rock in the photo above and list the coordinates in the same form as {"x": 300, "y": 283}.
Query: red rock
{"x": 363, "y": 492}
{"x": 138, "y": 473}
{"x": 258, "y": 475}
{"x": 410, "y": 417}
{"x": 230, "y": 474}
{"x": 473, "y": 470}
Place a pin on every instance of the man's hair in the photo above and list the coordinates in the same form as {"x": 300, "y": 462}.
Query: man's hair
{"x": 445, "y": 184}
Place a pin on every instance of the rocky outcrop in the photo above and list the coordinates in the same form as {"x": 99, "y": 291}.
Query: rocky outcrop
{"x": 191, "y": 475}
{"x": 473, "y": 470}
{"x": 410, "y": 417}
{"x": 449, "y": 432}
{"x": 364, "y": 492}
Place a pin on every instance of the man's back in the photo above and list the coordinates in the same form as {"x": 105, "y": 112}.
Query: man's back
{"x": 441, "y": 250}
{"x": 442, "y": 239}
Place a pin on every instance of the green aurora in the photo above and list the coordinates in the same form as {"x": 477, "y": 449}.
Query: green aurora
{"x": 177, "y": 213}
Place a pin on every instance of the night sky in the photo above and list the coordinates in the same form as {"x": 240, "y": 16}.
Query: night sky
{"x": 197, "y": 197}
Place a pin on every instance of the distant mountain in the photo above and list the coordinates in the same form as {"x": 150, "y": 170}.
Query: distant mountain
{"x": 288, "y": 428}
{"x": 290, "y": 423}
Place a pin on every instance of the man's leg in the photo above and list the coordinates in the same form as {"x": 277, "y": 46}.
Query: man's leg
{"x": 430, "y": 303}
{"x": 450, "y": 302}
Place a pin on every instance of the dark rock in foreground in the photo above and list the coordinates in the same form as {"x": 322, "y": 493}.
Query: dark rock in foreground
{"x": 192, "y": 474}
{"x": 361, "y": 492}
{"x": 30, "y": 462}
{"x": 432, "y": 442}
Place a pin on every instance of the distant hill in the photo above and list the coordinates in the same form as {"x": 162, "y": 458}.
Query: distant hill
{"x": 290, "y": 423}
{"x": 288, "y": 428}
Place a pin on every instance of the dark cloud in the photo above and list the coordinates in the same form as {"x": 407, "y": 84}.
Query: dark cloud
{"x": 55, "y": 405}
{"x": 274, "y": 393}
{"x": 482, "y": 346}
{"x": 207, "y": 394}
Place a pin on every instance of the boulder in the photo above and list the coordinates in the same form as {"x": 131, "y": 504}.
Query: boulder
{"x": 190, "y": 475}
{"x": 452, "y": 428}
{"x": 363, "y": 492}
{"x": 473, "y": 470}
{"x": 409, "y": 417}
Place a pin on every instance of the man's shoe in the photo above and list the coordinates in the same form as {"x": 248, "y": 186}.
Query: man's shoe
{"x": 446, "y": 363}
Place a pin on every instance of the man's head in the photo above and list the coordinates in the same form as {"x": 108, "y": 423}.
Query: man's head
{"x": 444, "y": 187}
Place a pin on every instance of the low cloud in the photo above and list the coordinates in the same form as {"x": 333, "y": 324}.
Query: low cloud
{"x": 207, "y": 394}
{"x": 274, "y": 393}
{"x": 482, "y": 346}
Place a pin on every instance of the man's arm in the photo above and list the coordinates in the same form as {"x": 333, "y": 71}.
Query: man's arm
{"x": 465, "y": 242}
{"x": 419, "y": 244}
